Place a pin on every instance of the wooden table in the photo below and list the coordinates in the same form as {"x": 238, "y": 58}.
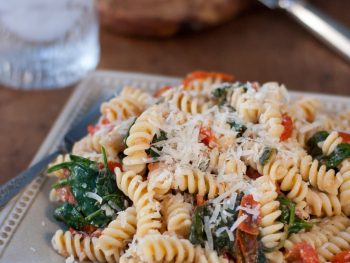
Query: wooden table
{"x": 258, "y": 45}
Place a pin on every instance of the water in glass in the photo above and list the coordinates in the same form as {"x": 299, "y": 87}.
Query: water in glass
{"x": 47, "y": 43}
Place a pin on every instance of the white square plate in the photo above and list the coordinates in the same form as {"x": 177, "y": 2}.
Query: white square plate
{"x": 26, "y": 223}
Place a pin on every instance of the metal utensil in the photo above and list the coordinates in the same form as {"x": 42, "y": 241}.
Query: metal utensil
{"x": 16, "y": 184}
{"x": 322, "y": 26}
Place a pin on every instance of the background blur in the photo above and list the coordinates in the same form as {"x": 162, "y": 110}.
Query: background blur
{"x": 258, "y": 44}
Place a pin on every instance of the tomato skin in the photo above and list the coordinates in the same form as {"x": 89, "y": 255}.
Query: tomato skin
{"x": 302, "y": 252}
{"x": 199, "y": 199}
{"x": 345, "y": 136}
{"x": 252, "y": 173}
{"x": 287, "y": 122}
{"x": 250, "y": 225}
{"x": 162, "y": 90}
{"x": 112, "y": 165}
{"x": 206, "y": 74}
{"x": 207, "y": 137}
{"x": 342, "y": 257}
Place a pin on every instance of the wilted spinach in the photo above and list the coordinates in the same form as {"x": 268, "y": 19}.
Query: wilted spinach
{"x": 162, "y": 137}
{"x": 293, "y": 223}
{"x": 222, "y": 242}
{"x": 86, "y": 176}
{"x": 238, "y": 127}
{"x": 267, "y": 155}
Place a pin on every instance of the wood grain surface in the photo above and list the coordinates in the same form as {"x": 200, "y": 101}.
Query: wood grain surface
{"x": 260, "y": 45}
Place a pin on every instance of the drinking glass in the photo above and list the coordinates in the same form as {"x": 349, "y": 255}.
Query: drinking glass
{"x": 47, "y": 43}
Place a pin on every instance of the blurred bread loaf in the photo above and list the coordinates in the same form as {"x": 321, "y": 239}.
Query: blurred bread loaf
{"x": 166, "y": 17}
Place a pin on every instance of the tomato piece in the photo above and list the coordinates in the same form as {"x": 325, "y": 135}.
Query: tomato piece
{"x": 342, "y": 257}
{"x": 252, "y": 173}
{"x": 91, "y": 129}
{"x": 65, "y": 195}
{"x": 162, "y": 90}
{"x": 207, "y": 137}
{"x": 302, "y": 253}
{"x": 287, "y": 122}
{"x": 112, "y": 165}
{"x": 251, "y": 224}
{"x": 205, "y": 74}
{"x": 199, "y": 199}
{"x": 105, "y": 121}
{"x": 345, "y": 136}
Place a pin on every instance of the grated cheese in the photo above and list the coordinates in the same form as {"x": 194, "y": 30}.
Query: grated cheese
{"x": 208, "y": 232}
{"x": 238, "y": 222}
{"x": 94, "y": 196}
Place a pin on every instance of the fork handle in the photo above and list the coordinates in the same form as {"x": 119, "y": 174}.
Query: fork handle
{"x": 322, "y": 26}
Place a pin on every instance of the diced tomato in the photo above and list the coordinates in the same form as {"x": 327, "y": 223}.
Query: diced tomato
{"x": 154, "y": 166}
{"x": 345, "y": 136}
{"x": 205, "y": 74}
{"x": 160, "y": 91}
{"x": 302, "y": 253}
{"x": 88, "y": 230}
{"x": 252, "y": 173}
{"x": 207, "y": 137}
{"x": 247, "y": 247}
{"x": 112, "y": 165}
{"x": 287, "y": 122}
{"x": 105, "y": 121}
{"x": 65, "y": 195}
{"x": 251, "y": 224}
{"x": 91, "y": 129}
{"x": 342, "y": 257}
{"x": 200, "y": 199}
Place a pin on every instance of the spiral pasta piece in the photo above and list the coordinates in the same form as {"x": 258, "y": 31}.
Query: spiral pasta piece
{"x": 118, "y": 233}
{"x": 319, "y": 234}
{"x": 197, "y": 182}
{"x": 271, "y": 229}
{"x": 222, "y": 163}
{"x": 120, "y": 108}
{"x": 147, "y": 208}
{"x": 345, "y": 186}
{"x": 294, "y": 184}
{"x": 177, "y": 215}
{"x": 139, "y": 140}
{"x": 272, "y": 117}
{"x": 335, "y": 245}
{"x": 322, "y": 204}
{"x": 275, "y": 169}
{"x": 327, "y": 181}
{"x": 78, "y": 246}
{"x": 164, "y": 248}
{"x": 182, "y": 101}
{"x": 159, "y": 182}
{"x": 206, "y": 255}
{"x": 141, "y": 97}
{"x": 330, "y": 143}
{"x": 309, "y": 107}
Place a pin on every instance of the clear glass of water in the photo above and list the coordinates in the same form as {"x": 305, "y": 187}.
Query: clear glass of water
{"x": 47, "y": 44}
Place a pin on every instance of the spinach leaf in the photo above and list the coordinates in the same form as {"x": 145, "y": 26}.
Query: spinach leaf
{"x": 221, "y": 93}
{"x": 239, "y": 128}
{"x": 294, "y": 224}
{"x": 162, "y": 137}
{"x": 70, "y": 215}
{"x": 266, "y": 155}
{"x": 340, "y": 153}
{"x": 261, "y": 254}
{"x": 222, "y": 242}
{"x": 197, "y": 233}
{"x": 312, "y": 143}
{"x": 86, "y": 177}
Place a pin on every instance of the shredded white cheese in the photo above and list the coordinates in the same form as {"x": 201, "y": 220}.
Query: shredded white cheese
{"x": 94, "y": 196}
